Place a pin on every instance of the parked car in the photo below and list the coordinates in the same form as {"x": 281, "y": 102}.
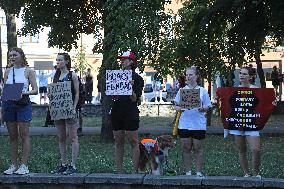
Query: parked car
{"x": 150, "y": 95}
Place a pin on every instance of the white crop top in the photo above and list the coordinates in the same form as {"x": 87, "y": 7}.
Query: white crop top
{"x": 19, "y": 77}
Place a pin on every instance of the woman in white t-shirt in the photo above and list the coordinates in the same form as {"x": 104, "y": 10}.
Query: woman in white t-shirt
{"x": 192, "y": 124}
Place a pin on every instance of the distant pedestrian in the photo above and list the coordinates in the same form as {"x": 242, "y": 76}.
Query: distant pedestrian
{"x": 43, "y": 81}
{"x": 89, "y": 86}
{"x": 18, "y": 114}
{"x": 254, "y": 74}
{"x": 275, "y": 79}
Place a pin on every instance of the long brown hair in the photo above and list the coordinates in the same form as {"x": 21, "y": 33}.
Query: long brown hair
{"x": 21, "y": 52}
{"x": 68, "y": 65}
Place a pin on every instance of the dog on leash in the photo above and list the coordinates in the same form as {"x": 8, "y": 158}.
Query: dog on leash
{"x": 155, "y": 153}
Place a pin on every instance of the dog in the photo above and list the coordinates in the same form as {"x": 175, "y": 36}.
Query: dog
{"x": 155, "y": 153}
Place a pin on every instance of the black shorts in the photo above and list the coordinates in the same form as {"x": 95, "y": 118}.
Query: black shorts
{"x": 196, "y": 134}
{"x": 126, "y": 125}
{"x": 42, "y": 89}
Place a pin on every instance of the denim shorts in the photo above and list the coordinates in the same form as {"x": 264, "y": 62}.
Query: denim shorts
{"x": 244, "y": 133}
{"x": 16, "y": 113}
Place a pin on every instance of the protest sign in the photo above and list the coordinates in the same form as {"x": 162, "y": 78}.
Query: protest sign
{"x": 189, "y": 98}
{"x": 12, "y": 91}
{"x": 118, "y": 82}
{"x": 246, "y": 109}
{"x": 60, "y": 100}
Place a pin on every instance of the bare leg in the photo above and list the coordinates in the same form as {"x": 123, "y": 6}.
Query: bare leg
{"x": 132, "y": 137}
{"x": 198, "y": 150}
{"x": 186, "y": 144}
{"x": 61, "y": 131}
{"x": 241, "y": 144}
{"x": 119, "y": 149}
{"x": 13, "y": 134}
{"x": 72, "y": 130}
{"x": 24, "y": 133}
{"x": 254, "y": 143}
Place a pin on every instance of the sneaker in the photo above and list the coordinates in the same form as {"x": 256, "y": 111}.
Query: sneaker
{"x": 60, "y": 169}
{"x": 257, "y": 176}
{"x": 79, "y": 130}
{"x": 11, "y": 170}
{"x": 199, "y": 174}
{"x": 246, "y": 175}
{"x": 23, "y": 169}
{"x": 71, "y": 170}
{"x": 188, "y": 173}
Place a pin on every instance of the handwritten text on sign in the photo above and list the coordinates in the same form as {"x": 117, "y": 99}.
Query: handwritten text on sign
{"x": 190, "y": 98}
{"x": 60, "y": 100}
{"x": 118, "y": 82}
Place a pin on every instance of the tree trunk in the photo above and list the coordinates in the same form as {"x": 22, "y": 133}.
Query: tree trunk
{"x": 108, "y": 60}
{"x": 11, "y": 30}
{"x": 260, "y": 70}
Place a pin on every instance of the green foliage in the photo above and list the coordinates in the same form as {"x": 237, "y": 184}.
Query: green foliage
{"x": 11, "y": 6}
{"x": 208, "y": 31}
{"x": 81, "y": 63}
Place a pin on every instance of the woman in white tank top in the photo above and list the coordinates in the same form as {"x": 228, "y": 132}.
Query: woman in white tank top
{"x": 18, "y": 117}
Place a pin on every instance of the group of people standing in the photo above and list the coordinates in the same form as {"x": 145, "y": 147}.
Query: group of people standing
{"x": 18, "y": 116}
{"x": 124, "y": 117}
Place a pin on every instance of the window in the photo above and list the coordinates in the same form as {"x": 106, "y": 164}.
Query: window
{"x": 32, "y": 39}
{"x": 3, "y": 29}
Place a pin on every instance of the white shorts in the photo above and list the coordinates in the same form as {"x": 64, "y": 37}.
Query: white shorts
{"x": 244, "y": 133}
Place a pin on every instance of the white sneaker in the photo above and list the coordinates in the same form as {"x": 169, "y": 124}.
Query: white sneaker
{"x": 23, "y": 169}
{"x": 11, "y": 170}
{"x": 188, "y": 173}
{"x": 199, "y": 174}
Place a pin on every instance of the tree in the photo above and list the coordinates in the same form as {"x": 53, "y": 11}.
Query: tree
{"x": 131, "y": 25}
{"x": 11, "y": 9}
{"x": 81, "y": 63}
{"x": 232, "y": 28}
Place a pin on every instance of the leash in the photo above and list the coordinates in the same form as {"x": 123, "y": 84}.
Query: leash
{"x": 172, "y": 171}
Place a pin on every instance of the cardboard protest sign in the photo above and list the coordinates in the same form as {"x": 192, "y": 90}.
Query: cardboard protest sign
{"x": 246, "y": 109}
{"x": 12, "y": 91}
{"x": 118, "y": 82}
{"x": 60, "y": 100}
{"x": 190, "y": 98}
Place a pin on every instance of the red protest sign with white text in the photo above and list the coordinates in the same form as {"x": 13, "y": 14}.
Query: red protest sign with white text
{"x": 246, "y": 109}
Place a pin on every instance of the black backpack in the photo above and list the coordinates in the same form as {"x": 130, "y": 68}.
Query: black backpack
{"x": 81, "y": 100}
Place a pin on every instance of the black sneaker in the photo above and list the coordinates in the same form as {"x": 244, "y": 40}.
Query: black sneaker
{"x": 71, "y": 170}
{"x": 60, "y": 169}
{"x": 79, "y": 130}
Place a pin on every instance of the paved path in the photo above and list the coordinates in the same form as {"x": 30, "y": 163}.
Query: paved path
{"x": 273, "y": 129}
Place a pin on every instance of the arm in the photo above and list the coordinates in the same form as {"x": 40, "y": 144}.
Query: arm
{"x": 32, "y": 80}
{"x": 206, "y": 102}
{"x": 76, "y": 89}
{"x": 6, "y": 74}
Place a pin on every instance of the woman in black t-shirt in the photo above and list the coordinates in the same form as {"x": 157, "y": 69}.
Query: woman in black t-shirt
{"x": 125, "y": 115}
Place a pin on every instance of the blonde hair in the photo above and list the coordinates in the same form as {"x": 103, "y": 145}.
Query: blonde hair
{"x": 21, "y": 52}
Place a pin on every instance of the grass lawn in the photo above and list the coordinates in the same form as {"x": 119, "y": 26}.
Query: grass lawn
{"x": 148, "y": 121}
{"x": 221, "y": 157}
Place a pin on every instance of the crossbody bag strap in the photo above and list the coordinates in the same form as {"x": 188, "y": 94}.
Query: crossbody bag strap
{"x": 13, "y": 75}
